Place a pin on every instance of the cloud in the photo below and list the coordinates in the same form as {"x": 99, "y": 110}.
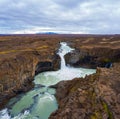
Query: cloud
{"x": 68, "y": 16}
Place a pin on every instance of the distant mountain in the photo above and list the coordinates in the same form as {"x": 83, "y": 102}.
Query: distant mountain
{"x": 47, "y": 33}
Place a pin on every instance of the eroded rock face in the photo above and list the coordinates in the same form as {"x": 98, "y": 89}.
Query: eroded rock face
{"x": 17, "y": 74}
{"x": 93, "y": 57}
{"x": 48, "y": 65}
{"x": 94, "y": 97}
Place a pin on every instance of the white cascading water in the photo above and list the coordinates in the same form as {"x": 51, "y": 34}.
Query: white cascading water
{"x": 64, "y": 49}
{"x": 40, "y": 102}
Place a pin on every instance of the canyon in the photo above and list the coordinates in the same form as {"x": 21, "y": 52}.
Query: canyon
{"x": 96, "y": 96}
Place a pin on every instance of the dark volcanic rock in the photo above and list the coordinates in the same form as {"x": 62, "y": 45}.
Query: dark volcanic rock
{"x": 48, "y": 65}
{"x": 94, "y": 97}
{"x": 93, "y": 57}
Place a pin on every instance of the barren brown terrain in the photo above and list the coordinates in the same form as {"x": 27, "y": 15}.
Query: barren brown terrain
{"x": 23, "y": 56}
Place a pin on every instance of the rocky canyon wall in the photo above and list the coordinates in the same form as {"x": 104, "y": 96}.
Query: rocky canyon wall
{"x": 23, "y": 56}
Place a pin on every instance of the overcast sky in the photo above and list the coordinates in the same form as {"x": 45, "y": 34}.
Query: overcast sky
{"x": 62, "y": 16}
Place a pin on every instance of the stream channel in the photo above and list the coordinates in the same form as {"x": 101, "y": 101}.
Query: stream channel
{"x": 40, "y": 102}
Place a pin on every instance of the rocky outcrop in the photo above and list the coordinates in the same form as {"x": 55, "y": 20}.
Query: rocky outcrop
{"x": 48, "y": 65}
{"x": 94, "y": 97}
{"x": 93, "y": 57}
{"x": 17, "y": 74}
{"x": 21, "y": 58}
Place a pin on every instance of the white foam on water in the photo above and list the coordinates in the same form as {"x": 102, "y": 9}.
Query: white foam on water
{"x": 47, "y": 96}
{"x": 4, "y": 114}
{"x": 22, "y": 115}
{"x": 67, "y": 73}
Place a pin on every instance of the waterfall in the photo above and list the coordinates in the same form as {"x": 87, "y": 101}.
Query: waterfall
{"x": 64, "y": 49}
{"x": 42, "y": 101}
